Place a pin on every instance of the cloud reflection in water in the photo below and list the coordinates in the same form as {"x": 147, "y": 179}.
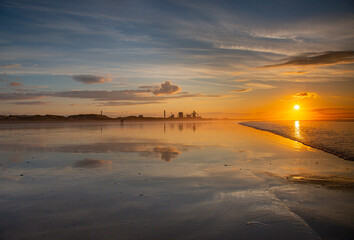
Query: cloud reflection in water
{"x": 91, "y": 163}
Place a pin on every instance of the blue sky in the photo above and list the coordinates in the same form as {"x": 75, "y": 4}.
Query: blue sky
{"x": 211, "y": 51}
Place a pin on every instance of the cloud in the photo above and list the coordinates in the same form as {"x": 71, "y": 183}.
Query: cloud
{"x": 301, "y": 95}
{"x": 193, "y": 95}
{"x": 127, "y": 103}
{"x": 91, "y": 163}
{"x": 19, "y": 96}
{"x": 167, "y": 88}
{"x": 30, "y": 103}
{"x": 11, "y": 66}
{"x": 294, "y": 73}
{"x": 236, "y": 73}
{"x": 12, "y": 84}
{"x": 241, "y": 80}
{"x": 241, "y": 90}
{"x": 147, "y": 87}
{"x": 318, "y": 59}
{"x": 339, "y": 113}
{"x": 305, "y": 95}
{"x": 332, "y": 109}
{"x": 259, "y": 85}
{"x": 91, "y": 79}
{"x": 103, "y": 95}
{"x": 15, "y": 84}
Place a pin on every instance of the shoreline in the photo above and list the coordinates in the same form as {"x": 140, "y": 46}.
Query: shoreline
{"x": 322, "y": 148}
{"x": 19, "y": 119}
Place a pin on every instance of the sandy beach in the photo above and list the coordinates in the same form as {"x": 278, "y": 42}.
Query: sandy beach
{"x": 182, "y": 180}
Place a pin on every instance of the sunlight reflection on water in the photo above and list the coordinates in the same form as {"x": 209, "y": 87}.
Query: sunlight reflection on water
{"x": 297, "y": 129}
{"x": 147, "y": 173}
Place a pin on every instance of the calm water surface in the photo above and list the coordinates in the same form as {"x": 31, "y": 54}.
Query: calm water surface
{"x": 181, "y": 180}
{"x": 331, "y": 136}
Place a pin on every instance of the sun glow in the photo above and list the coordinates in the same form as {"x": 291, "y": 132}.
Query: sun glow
{"x": 296, "y": 107}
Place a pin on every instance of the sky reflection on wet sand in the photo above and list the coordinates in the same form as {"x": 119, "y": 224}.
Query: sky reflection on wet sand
{"x": 201, "y": 180}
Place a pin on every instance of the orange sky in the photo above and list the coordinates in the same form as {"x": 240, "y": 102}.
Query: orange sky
{"x": 223, "y": 59}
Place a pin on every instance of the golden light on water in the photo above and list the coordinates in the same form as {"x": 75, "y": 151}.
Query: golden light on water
{"x": 297, "y": 135}
{"x": 297, "y": 130}
{"x": 296, "y": 107}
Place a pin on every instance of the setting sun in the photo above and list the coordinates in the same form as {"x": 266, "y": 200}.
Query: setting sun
{"x": 189, "y": 105}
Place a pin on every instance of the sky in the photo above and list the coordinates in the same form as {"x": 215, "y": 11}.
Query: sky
{"x": 223, "y": 59}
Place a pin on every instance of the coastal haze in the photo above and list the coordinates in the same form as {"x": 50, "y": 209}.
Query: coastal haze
{"x": 176, "y": 119}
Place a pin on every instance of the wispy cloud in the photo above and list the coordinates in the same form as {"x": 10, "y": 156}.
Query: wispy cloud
{"x": 10, "y": 83}
{"x": 114, "y": 97}
{"x": 260, "y": 85}
{"x": 295, "y": 73}
{"x": 30, "y": 103}
{"x": 91, "y": 79}
{"x": 301, "y": 95}
{"x": 241, "y": 80}
{"x": 104, "y": 95}
{"x": 11, "y": 66}
{"x": 318, "y": 59}
{"x": 335, "y": 113}
{"x": 148, "y": 87}
{"x": 20, "y": 96}
{"x": 241, "y": 90}
{"x": 127, "y": 103}
{"x": 15, "y": 84}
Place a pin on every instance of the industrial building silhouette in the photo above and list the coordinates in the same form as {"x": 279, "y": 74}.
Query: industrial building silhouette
{"x": 194, "y": 114}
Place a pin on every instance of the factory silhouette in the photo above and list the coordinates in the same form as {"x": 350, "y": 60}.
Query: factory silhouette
{"x": 194, "y": 114}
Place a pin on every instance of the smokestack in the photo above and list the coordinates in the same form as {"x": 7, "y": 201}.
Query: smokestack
{"x": 164, "y": 113}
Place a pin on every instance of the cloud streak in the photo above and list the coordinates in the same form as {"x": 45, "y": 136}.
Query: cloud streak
{"x": 91, "y": 163}
{"x": 15, "y": 84}
{"x": 301, "y": 95}
{"x": 128, "y": 103}
{"x": 260, "y": 86}
{"x": 11, "y": 66}
{"x": 30, "y": 103}
{"x": 91, "y": 79}
{"x": 113, "y": 98}
{"x": 241, "y": 90}
{"x": 325, "y": 58}
{"x": 19, "y": 96}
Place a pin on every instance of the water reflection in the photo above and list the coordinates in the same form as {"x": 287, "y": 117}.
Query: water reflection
{"x": 297, "y": 130}
{"x": 181, "y": 126}
{"x": 166, "y": 152}
{"x": 91, "y": 163}
{"x": 215, "y": 188}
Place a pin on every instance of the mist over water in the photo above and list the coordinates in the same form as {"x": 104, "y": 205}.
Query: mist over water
{"x": 173, "y": 180}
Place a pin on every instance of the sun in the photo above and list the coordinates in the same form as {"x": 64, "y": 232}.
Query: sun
{"x": 296, "y": 107}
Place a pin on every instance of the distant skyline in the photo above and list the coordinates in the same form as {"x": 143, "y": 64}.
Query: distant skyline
{"x": 233, "y": 59}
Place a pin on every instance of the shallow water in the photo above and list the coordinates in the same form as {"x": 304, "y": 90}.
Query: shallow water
{"x": 331, "y": 136}
{"x": 173, "y": 180}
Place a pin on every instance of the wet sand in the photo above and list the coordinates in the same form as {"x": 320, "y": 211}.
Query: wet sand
{"x": 200, "y": 180}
